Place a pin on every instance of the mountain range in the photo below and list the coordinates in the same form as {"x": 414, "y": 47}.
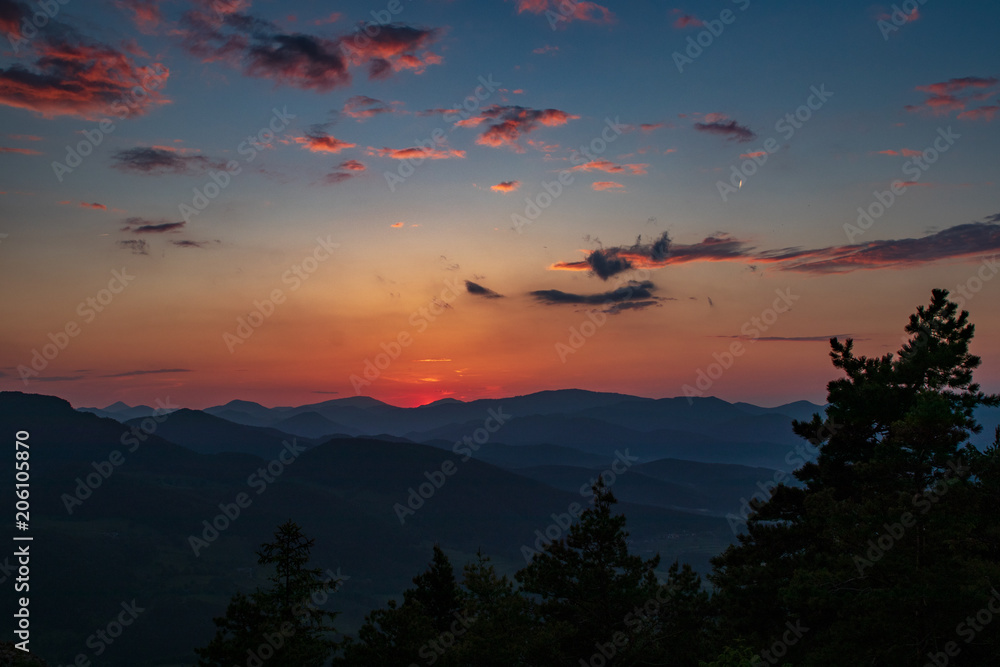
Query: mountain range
{"x": 124, "y": 497}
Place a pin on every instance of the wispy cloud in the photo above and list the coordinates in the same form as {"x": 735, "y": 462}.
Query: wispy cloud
{"x": 945, "y": 97}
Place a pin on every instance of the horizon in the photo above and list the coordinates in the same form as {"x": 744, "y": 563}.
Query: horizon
{"x": 445, "y": 399}
{"x": 429, "y": 200}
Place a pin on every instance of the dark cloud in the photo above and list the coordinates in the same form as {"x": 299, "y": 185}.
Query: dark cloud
{"x": 303, "y": 61}
{"x": 187, "y": 243}
{"x": 143, "y": 226}
{"x": 157, "y": 160}
{"x": 479, "y": 290}
{"x": 137, "y": 246}
{"x": 731, "y": 130}
{"x": 634, "y": 291}
{"x": 795, "y": 339}
{"x": 608, "y": 262}
{"x": 657, "y": 253}
{"x": 508, "y": 123}
{"x": 972, "y": 239}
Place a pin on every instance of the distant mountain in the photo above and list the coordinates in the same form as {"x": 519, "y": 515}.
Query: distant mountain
{"x": 208, "y": 434}
{"x": 129, "y": 537}
{"x": 312, "y": 425}
{"x": 599, "y": 437}
{"x": 121, "y": 411}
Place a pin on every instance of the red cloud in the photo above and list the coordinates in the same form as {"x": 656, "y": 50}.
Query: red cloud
{"x": 945, "y": 97}
{"x": 305, "y": 61}
{"x": 649, "y": 127}
{"x": 20, "y": 151}
{"x": 352, "y": 165}
{"x": 510, "y": 122}
{"x": 753, "y": 154}
{"x": 83, "y": 204}
{"x": 982, "y": 113}
{"x": 145, "y": 13}
{"x": 607, "y": 185}
{"x": 415, "y": 153}
{"x": 687, "y": 21}
{"x": 322, "y": 143}
{"x": 506, "y": 187}
{"x": 578, "y": 11}
{"x": 82, "y": 79}
{"x": 24, "y": 137}
{"x": 610, "y": 167}
{"x": 905, "y": 152}
{"x": 332, "y": 18}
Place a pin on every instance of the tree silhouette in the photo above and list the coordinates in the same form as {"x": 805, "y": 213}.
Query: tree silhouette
{"x": 877, "y": 552}
{"x": 281, "y": 625}
{"x": 419, "y": 630}
{"x": 606, "y": 604}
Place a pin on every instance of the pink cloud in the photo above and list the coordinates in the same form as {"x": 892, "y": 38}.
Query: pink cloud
{"x": 506, "y": 187}
{"x": 601, "y": 186}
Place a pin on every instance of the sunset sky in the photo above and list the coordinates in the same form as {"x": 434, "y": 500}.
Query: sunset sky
{"x": 260, "y": 198}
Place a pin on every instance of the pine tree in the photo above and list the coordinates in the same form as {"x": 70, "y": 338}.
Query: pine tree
{"x": 420, "y": 630}
{"x": 876, "y": 554}
{"x": 606, "y": 604}
{"x": 283, "y": 625}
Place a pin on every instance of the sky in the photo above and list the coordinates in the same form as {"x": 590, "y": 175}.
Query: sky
{"x": 290, "y": 202}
